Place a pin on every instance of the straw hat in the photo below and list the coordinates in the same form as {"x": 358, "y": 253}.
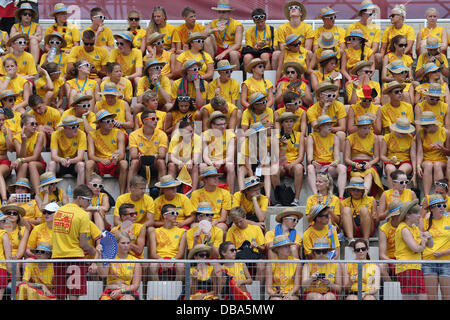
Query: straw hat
{"x": 3, "y": 216}
{"x": 366, "y": 5}
{"x": 24, "y": 6}
{"x": 224, "y": 65}
{"x": 15, "y": 207}
{"x": 434, "y": 90}
{"x": 327, "y": 54}
{"x": 359, "y": 65}
{"x": 322, "y": 120}
{"x": 48, "y": 178}
{"x": 402, "y": 125}
{"x": 56, "y": 34}
{"x": 154, "y": 37}
{"x": 80, "y": 97}
{"x": 327, "y": 40}
{"x": 356, "y": 33}
{"x": 58, "y": 8}
{"x": 429, "y": 67}
{"x": 327, "y": 11}
{"x": 44, "y": 246}
{"x": 321, "y": 243}
{"x": 366, "y": 92}
{"x": 364, "y": 121}
{"x": 296, "y": 65}
{"x": 281, "y": 241}
{"x": 294, "y": 3}
{"x": 18, "y": 36}
{"x": 255, "y": 97}
{"x": 125, "y": 35}
{"x": 103, "y": 114}
{"x": 393, "y": 85}
{"x": 434, "y": 199}
{"x": 356, "y": 183}
{"x": 292, "y": 38}
{"x": 252, "y": 181}
{"x": 315, "y": 210}
{"x": 397, "y": 66}
{"x": 325, "y": 86}
{"x": 204, "y": 207}
{"x": 110, "y": 89}
{"x": 198, "y": 248}
{"x": 288, "y": 212}
{"x": 223, "y": 5}
{"x": 393, "y": 208}
{"x": 209, "y": 171}
{"x": 427, "y": 118}
{"x": 286, "y": 116}
{"x": 190, "y": 63}
{"x": 167, "y": 181}
{"x": 152, "y": 62}
{"x": 214, "y": 116}
{"x": 7, "y": 93}
{"x": 195, "y": 35}
{"x": 432, "y": 43}
{"x": 255, "y": 128}
{"x": 253, "y": 63}
{"x": 20, "y": 182}
{"x": 406, "y": 206}
{"x": 69, "y": 120}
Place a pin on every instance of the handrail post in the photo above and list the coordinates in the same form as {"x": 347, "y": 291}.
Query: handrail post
{"x": 187, "y": 280}
{"x": 13, "y": 281}
{"x": 360, "y": 267}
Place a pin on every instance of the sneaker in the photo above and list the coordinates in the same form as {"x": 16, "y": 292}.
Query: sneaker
{"x": 295, "y": 203}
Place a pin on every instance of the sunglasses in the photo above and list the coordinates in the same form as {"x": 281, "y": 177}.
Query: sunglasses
{"x": 86, "y": 198}
{"x": 88, "y": 44}
{"x": 227, "y": 71}
{"x": 33, "y": 123}
{"x": 20, "y": 42}
{"x": 321, "y": 251}
{"x": 54, "y": 42}
{"x": 360, "y": 249}
{"x": 370, "y": 13}
{"x": 198, "y": 41}
{"x": 195, "y": 69}
{"x": 296, "y": 103}
{"x": 131, "y": 214}
{"x": 97, "y": 185}
{"x": 207, "y": 215}
{"x": 85, "y": 65}
{"x": 259, "y": 17}
{"x": 323, "y": 215}
{"x": 404, "y": 73}
{"x": 401, "y": 182}
{"x": 295, "y": 44}
{"x": 353, "y": 38}
{"x": 292, "y": 218}
{"x": 156, "y": 67}
{"x": 73, "y": 127}
{"x": 120, "y": 43}
{"x": 441, "y": 184}
{"x": 55, "y": 72}
{"x": 172, "y": 213}
{"x": 233, "y": 250}
{"x": 290, "y": 72}
{"x": 434, "y": 99}
{"x": 99, "y": 17}
{"x": 264, "y": 101}
{"x": 152, "y": 118}
{"x": 184, "y": 98}
{"x": 41, "y": 252}
{"x": 393, "y": 15}
{"x": 439, "y": 205}
{"x": 27, "y": 14}
{"x": 12, "y": 213}
{"x": 260, "y": 66}
{"x": 294, "y": 8}
{"x": 84, "y": 105}
{"x": 134, "y": 19}
{"x": 402, "y": 45}
{"x": 367, "y": 71}
{"x": 330, "y": 17}
{"x": 329, "y": 95}
{"x": 202, "y": 255}
{"x": 108, "y": 121}
{"x": 160, "y": 42}
{"x": 47, "y": 212}
{"x": 397, "y": 91}
{"x": 366, "y": 100}
{"x": 10, "y": 99}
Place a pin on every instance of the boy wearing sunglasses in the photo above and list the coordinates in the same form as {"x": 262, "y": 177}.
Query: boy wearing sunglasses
{"x": 103, "y": 35}
{"x": 328, "y": 16}
{"x": 224, "y": 85}
{"x": 80, "y": 108}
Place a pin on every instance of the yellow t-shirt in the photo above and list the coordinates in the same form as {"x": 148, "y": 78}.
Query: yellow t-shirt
{"x": 304, "y": 30}
{"x": 335, "y": 111}
{"x": 338, "y": 33}
{"x": 354, "y": 56}
{"x": 25, "y": 64}
{"x": 359, "y": 110}
{"x": 296, "y": 56}
{"x": 330, "y": 270}
{"x": 68, "y": 147}
{"x": 293, "y": 143}
{"x": 333, "y": 203}
{"x": 390, "y": 114}
{"x": 135, "y": 231}
{"x": 13, "y": 124}
{"x": 138, "y": 35}
{"x": 299, "y": 112}
{"x": 226, "y": 37}
{"x": 251, "y": 233}
{"x": 104, "y": 38}
{"x": 183, "y": 206}
{"x": 181, "y": 33}
{"x": 402, "y": 250}
{"x": 368, "y": 276}
{"x": 204, "y": 59}
{"x": 249, "y": 117}
{"x": 372, "y": 84}
{"x": 218, "y": 146}
{"x": 190, "y": 90}
{"x": 32, "y": 211}
{"x": 142, "y": 206}
{"x": 70, "y": 33}
{"x": 390, "y": 32}
{"x": 389, "y": 231}
{"x": 283, "y": 275}
{"x": 270, "y": 235}
{"x": 357, "y": 205}
{"x": 16, "y": 85}
{"x": 436, "y": 32}
{"x": 105, "y": 145}
{"x": 130, "y": 62}
{"x": 169, "y": 31}
{"x": 228, "y": 90}
{"x": 90, "y": 118}
{"x": 430, "y": 153}
{"x": 146, "y": 146}
{"x": 399, "y": 147}
{"x": 99, "y": 57}
{"x": 50, "y": 118}
{"x": 216, "y": 237}
{"x": 144, "y": 85}
{"x": 118, "y": 108}
{"x": 439, "y": 109}
{"x": 168, "y": 241}
{"x": 40, "y": 233}
{"x": 122, "y": 272}
{"x": 34, "y": 274}
{"x": 253, "y": 36}
{"x": 360, "y": 145}
{"x": 124, "y": 87}
{"x": 61, "y": 59}
{"x": 160, "y": 114}
{"x": 82, "y": 85}
{"x": 41, "y": 82}
{"x": 311, "y": 234}
{"x": 240, "y": 200}
{"x": 372, "y": 32}
{"x": 441, "y": 240}
{"x": 219, "y": 199}
{"x": 323, "y": 147}
{"x": 407, "y": 60}
{"x": 185, "y": 150}
{"x": 254, "y": 85}
{"x": 31, "y": 142}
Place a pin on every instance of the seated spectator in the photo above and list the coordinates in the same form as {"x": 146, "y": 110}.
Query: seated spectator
{"x": 46, "y": 117}
{"x": 410, "y": 242}
{"x": 440, "y": 188}
{"x": 431, "y": 30}
{"x": 37, "y": 281}
{"x": 256, "y": 84}
{"x": 292, "y": 81}
{"x": 80, "y": 109}
{"x": 328, "y": 16}
{"x": 70, "y": 31}
{"x": 322, "y": 281}
{"x": 431, "y": 74}
{"x": 129, "y": 57}
{"x": 122, "y": 279}
{"x": 149, "y": 101}
{"x": 42, "y": 232}
{"x": 326, "y": 72}
{"x": 397, "y": 71}
{"x": 50, "y": 191}
{"x": 100, "y": 202}
{"x": 361, "y": 75}
{"x": 14, "y": 86}
{"x": 135, "y": 231}
{"x": 190, "y": 84}
{"x": 356, "y": 51}
{"x": 322, "y": 154}
{"x": 167, "y": 242}
{"x": 370, "y": 274}
{"x": 103, "y": 34}
{"x": 359, "y": 212}
{"x": 320, "y": 214}
{"x": 25, "y": 62}
{"x": 218, "y": 103}
{"x": 183, "y": 108}
{"x": 224, "y": 86}
{"x": 260, "y": 41}
{"x": 199, "y": 233}
{"x": 398, "y": 149}
{"x": 5, "y": 254}
{"x": 397, "y": 50}
{"x": 252, "y": 201}
{"x": 148, "y": 148}
{"x": 326, "y": 42}
{"x": 44, "y": 87}
{"x": 287, "y": 221}
{"x": 168, "y": 195}
{"x": 295, "y": 13}
{"x": 123, "y": 84}
{"x": 433, "y": 102}
{"x": 294, "y": 52}
{"x": 156, "y": 49}
{"x": 397, "y": 27}
{"x": 283, "y": 280}
{"x": 81, "y": 83}
{"x": 61, "y": 58}
{"x": 293, "y": 102}
{"x": 21, "y": 191}
{"x": 158, "y": 24}
{"x": 218, "y": 198}
{"x": 364, "y": 107}
{"x": 5, "y": 146}
{"x": 258, "y": 111}
{"x": 181, "y": 33}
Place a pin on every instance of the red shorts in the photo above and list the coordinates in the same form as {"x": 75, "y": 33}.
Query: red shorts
{"x": 44, "y": 164}
{"x": 323, "y": 164}
{"x": 3, "y": 278}
{"x": 185, "y": 227}
{"x": 411, "y": 281}
{"x": 5, "y": 162}
{"x": 358, "y": 231}
{"x": 220, "y": 50}
{"x": 398, "y": 165}
{"x": 257, "y": 56}
{"x": 111, "y": 169}
{"x": 70, "y": 278}
{"x": 170, "y": 271}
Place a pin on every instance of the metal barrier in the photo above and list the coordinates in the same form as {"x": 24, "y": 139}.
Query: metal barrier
{"x": 209, "y": 280}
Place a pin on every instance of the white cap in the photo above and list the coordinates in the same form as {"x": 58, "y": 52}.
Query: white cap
{"x": 52, "y": 207}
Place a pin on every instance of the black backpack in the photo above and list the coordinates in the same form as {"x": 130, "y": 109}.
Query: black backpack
{"x": 284, "y": 195}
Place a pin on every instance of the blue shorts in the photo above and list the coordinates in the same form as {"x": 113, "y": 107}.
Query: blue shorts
{"x": 441, "y": 269}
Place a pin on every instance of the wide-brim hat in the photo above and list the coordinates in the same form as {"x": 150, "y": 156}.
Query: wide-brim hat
{"x": 393, "y": 85}
{"x": 15, "y": 207}
{"x": 432, "y": 43}
{"x": 198, "y": 248}
{"x": 402, "y": 125}
{"x": 125, "y": 35}
{"x": 294, "y": 64}
{"x": 294, "y": 3}
{"x": 325, "y": 86}
{"x": 356, "y": 33}
{"x": 427, "y": 118}
{"x": 290, "y": 38}
{"x": 56, "y": 34}
{"x": 255, "y": 97}
{"x": 286, "y": 116}
{"x": 155, "y": 36}
{"x": 80, "y": 97}
{"x": 189, "y": 64}
{"x": 110, "y": 88}
{"x": 321, "y": 243}
{"x": 69, "y": 120}
{"x": 359, "y": 65}
{"x": 434, "y": 199}
{"x": 24, "y": 6}
{"x": 224, "y": 65}
{"x": 315, "y": 210}
{"x": 327, "y": 40}
{"x": 223, "y": 5}
{"x": 356, "y": 183}
{"x": 8, "y": 93}
{"x": 58, "y": 8}
{"x": 434, "y": 90}
{"x": 18, "y": 36}
{"x": 326, "y": 12}
{"x": 281, "y": 241}
{"x": 252, "y": 181}
{"x": 209, "y": 171}
{"x": 214, "y": 116}
{"x": 249, "y": 67}
{"x": 195, "y": 35}
{"x": 322, "y": 120}
{"x": 167, "y": 181}
{"x": 204, "y": 207}
{"x": 406, "y": 206}
{"x": 44, "y": 246}
{"x": 364, "y": 120}
{"x": 48, "y": 178}
{"x": 288, "y": 212}
{"x": 429, "y": 67}
{"x": 397, "y": 66}
{"x": 366, "y": 92}
{"x": 102, "y": 114}
{"x": 393, "y": 208}
{"x": 20, "y": 182}
{"x": 151, "y": 63}
{"x": 327, "y": 55}
{"x": 366, "y": 5}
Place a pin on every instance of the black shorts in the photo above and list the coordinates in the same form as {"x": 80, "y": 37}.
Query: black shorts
{"x": 66, "y": 170}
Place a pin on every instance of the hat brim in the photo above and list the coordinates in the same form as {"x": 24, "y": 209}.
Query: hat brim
{"x": 296, "y": 3}
{"x": 226, "y": 67}
{"x": 172, "y": 185}
{"x": 211, "y": 119}
{"x": 62, "y": 124}
{"x": 356, "y": 188}
{"x": 162, "y": 64}
{"x": 330, "y": 86}
{"x": 12, "y": 187}
{"x": 198, "y": 249}
{"x": 184, "y": 70}
{"x": 406, "y": 207}
{"x": 292, "y": 64}
{"x": 328, "y": 46}
{"x": 218, "y": 174}
{"x": 21, "y": 210}
{"x": 359, "y": 66}
{"x": 317, "y": 125}
{"x": 82, "y": 98}
{"x": 393, "y": 127}
{"x": 427, "y": 123}
{"x": 56, "y": 180}
{"x": 272, "y": 247}
{"x": 18, "y": 36}
{"x": 106, "y": 116}
{"x": 256, "y": 184}
{"x": 156, "y": 38}
{"x": 313, "y": 216}
{"x": 334, "y": 55}
{"x": 251, "y": 65}
{"x": 389, "y": 89}
{"x": 19, "y": 10}
{"x": 189, "y": 40}
{"x": 283, "y": 214}
{"x": 50, "y": 35}
{"x": 320, "y": 16}
{"x": 281, "y": 118}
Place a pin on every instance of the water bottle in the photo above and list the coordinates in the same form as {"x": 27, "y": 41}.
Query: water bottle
{"x": 70, "y": 192}
{"x": 52, "y": 54}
